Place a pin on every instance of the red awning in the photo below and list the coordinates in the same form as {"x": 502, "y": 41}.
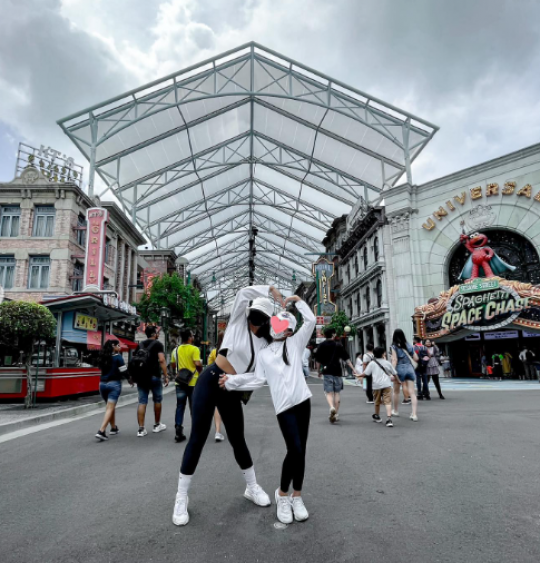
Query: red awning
{"x": 94, "y": 341}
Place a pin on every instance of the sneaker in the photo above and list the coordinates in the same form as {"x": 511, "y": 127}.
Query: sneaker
{"x": 179, "y": 436}
{"x": 101, "y": 436}
{"x": 376, "y": 418}
{"x": 395, "y": 413}
{"x": 180, "y": 516}
{"x": 414, "y": 418}
{"x": 370, "y": 402}
{"x": 159, "y": 427}
{"x": 299, "y": 509}
{"x": 428, "y": 398}
{"x": 406, "y": 402}
{"x": 441, "y": 397}
{"x": 337, "y": 417}
{"x": 420, "y": 397}
{"x": 284, "y": 511}
{"x": 142, "y": 432}
{"x": 332, "y": 417}
{"x": 219, "y": 437}
{"x": 257, "y": 496}
{"x": 389, "y": 423}
{"x": 114, "y": 431}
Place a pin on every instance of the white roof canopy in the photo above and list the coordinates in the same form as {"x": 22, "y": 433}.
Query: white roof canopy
{"x": 247, "y": 139}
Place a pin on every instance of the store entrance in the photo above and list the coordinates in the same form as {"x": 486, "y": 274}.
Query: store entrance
{"x": 466, "y": 354}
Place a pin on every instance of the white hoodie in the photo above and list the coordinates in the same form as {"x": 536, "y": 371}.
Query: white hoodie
{"x": 287, "y": 383}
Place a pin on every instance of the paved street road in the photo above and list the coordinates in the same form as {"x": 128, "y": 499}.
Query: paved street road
{"x": 461, "y": 485}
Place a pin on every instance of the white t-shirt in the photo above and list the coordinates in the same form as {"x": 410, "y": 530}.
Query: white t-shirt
{"x": 381, "y": 379}
{"x": 305, "y": 357}
{"x": 287, "y": 383}
{"x": 367, "y": 358}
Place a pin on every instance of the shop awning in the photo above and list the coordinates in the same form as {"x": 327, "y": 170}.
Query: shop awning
{"x": 93, "y": 340}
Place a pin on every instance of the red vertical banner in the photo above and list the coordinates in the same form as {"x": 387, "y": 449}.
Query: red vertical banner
{"x": 96, "y": 221}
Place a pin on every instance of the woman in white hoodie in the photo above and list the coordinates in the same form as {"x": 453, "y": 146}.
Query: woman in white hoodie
{"x": 280, "y": 364}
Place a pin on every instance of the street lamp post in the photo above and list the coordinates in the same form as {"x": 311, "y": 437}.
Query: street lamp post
{"x": 164, "y": 314}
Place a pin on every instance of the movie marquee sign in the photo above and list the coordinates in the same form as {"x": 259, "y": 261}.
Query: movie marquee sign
{"x": 96, "y": 219}
{"x": 480, "y": 305}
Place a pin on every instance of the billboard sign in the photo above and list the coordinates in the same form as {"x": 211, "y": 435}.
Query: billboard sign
{"x": 96, "y": 220}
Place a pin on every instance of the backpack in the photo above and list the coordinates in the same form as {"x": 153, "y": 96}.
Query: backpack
{"x": 139, "y": 365}
{"x": 530, "y": 356}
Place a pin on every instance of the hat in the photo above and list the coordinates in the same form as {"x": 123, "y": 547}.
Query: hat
{"x": 262, "y": 304}
{"x": 280, "y": 323}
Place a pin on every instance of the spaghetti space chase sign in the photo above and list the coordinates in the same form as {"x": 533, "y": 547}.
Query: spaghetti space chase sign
{"x": 481, "y": 308}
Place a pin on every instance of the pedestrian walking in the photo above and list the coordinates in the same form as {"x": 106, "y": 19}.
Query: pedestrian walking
{"x": 383, "y": 374}
{"x": 186, "y": 366}
{"x": 496, "y": 361}
{"x": 404, "y": 360}
{"x": 422, "y": 383}
{"x": 328, "y": 356}
{"x": 507, "y": 364}
{"x": 433, "y": 365}
{"x": 219, "y": 437}
{"x": 147, "y": 366}
{"x": 527, "y": 359}
{"x": 247, "y": 332}
{"x": 113, "y": 369}
{"x": 305, "y": 361}
{"x": 367, "y": 358}
{"x": 280, "y": 365}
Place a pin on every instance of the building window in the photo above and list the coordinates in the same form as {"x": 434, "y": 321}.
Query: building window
{"x": 81, "y": 235}
{"x": 106, "y": 284}
{"x": 365, "y": 258}
{"x": 356, "y": 264}
{"x": 110, "y": 252}
{"x": 38, "y": 272}
{"x": 376, "y": 248}
{"x": 77, "y": 281}
{"x": 348, "y": 271}
{"x": 358, "y": 304}
{"x": 10, "y": 218}
{"x": 368, "y": 300}
{"x": 7, "y": 271}
{"x": 44, "y": 221}
{"x": 379, "y": 293}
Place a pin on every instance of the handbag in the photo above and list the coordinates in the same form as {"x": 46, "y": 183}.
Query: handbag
{"x": 184, "y": 376}
{"x": 413, "y": 362}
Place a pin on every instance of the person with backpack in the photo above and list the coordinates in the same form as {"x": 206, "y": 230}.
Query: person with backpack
{"x": 527, "y": 358}
{"x": 146, "y": 368}
{"x": 422, "y": 382}
{"x": 382, "y": 373}
{"x": 405, "y": 361}
{"x": 366, "y": 359}
{"x": 186, "y": 366}
{"x": 248, "y": 331}
{"x": 113, "y": 369}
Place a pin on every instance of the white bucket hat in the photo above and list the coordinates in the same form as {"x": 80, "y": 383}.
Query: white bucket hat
{"x": 282, "y": 322}
{"x": 262, "y": 304}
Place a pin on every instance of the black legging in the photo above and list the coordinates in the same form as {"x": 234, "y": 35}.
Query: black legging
{"x": 206, "y": 397}
{"x": 369, "y": 387}
{"x": 294, "y": 424}
{"x": 435, "y": 378}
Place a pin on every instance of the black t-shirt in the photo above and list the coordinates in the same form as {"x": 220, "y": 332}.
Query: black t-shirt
{"x": 328, "y": 355}
{"x": 116, "y": 371}
{"x": 153, "y": 361}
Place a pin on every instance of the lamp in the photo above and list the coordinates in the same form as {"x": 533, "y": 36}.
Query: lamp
{"x": 347, "y": 330}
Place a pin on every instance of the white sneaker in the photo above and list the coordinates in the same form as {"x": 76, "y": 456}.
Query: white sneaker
{"x": 414, "y": 418}
{"x": 180, "y": 516}
{"x": 159, "y": 427}
{"x": 299, "y": 509}
{"x": 332, "y": 416}
{"x": 142, "y": 432}
{"x": 336, "y": 418}
{"x": 257, "y": 496}
{"x": 219, "y": 437}
{"x": 394, "y": 413}
{"x": 284, "y": 511}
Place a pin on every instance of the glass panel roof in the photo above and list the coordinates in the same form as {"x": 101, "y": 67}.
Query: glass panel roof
{"x": 247, "y": 139}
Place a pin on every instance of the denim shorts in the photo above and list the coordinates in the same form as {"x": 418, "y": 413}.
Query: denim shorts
{"x": 405, "y": 372}
{"x": 333, "y": 383}
{"x": 110, "y": 391}
{"x": 156, "y": 386}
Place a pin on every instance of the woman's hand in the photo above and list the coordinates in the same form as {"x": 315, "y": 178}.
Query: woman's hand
{"x": 222, "y": 379}
{"x": 276, "y": 295}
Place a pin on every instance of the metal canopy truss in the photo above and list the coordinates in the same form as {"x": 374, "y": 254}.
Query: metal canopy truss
{"x": 248, "y": 139}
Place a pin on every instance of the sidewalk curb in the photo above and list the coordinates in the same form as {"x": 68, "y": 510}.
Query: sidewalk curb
{"x": 72, "y": 412}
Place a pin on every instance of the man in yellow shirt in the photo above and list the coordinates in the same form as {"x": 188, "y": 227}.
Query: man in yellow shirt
{"x": 185, "y": 356}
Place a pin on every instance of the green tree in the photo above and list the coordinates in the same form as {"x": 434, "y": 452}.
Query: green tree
{"x": 169, "y": 290}
{"x": 339, "y": 321}
{"x": 21, "y": 324}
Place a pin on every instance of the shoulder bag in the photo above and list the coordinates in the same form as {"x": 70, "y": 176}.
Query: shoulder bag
{"x": 184, "y": 375}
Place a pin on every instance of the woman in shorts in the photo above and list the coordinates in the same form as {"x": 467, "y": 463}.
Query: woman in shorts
{"x": 403, "y": 356}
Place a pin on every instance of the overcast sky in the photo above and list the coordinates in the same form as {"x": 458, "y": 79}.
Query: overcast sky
{"x": 469, "y": 66}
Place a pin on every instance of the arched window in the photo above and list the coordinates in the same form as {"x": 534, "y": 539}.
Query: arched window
{"x": 378, "y": 291}
{"x": 511, "y": 247}
{"x": 365, "y": 258}
{"x": 376, "y": 248}
{"x": 368, "y": 299}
